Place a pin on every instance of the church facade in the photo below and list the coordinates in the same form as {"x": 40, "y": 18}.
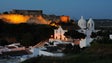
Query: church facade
{"x": 87, "y": 28}
{"x": 59, "y": 34}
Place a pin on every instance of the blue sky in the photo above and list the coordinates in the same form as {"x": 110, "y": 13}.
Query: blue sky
{"x": 74, "y": 8}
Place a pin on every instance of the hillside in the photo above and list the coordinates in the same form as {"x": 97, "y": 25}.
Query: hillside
{"x": 26, "y": 34}
{"x": 97, "y": 53}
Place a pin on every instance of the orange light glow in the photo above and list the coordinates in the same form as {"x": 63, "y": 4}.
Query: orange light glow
{"x": 65, "y": 18}
{"x": 42, "y": 20}
{"x": 14, "y": 18}
{"x": 17, "y": 18}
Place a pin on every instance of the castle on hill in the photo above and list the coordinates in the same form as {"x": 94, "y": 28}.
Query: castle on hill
{"x": 16, "y": 16}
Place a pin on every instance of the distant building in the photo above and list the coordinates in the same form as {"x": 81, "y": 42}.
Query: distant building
{"x": 52, "y": 18}
{"x": 65, "y": 18}
{"x": 27, "y": 12}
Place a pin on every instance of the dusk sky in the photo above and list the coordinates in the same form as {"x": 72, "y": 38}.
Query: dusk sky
{"x": 74, "y": 8}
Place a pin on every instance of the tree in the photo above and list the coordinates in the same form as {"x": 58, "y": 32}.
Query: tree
{"x": 27, "y": 34}
{"x": 5, "y": 12}
{"x": 27, "y": 39}
{"x": 3, "y": 43}
{"x": 93, "y": 35}
{"x": 74, "y": 34}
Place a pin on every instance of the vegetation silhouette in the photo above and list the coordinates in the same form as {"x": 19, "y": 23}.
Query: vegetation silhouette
{"x": 26, "y": 34}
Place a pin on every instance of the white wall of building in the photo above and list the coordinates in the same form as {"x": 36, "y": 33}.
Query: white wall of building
{"x": 59, "y": 33}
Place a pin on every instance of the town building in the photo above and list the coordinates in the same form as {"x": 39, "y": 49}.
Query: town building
{"x": 59, "y": 33}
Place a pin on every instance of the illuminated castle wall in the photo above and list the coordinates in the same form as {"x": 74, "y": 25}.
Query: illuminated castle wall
{"x": 14, "y": 18}
{"x": 24, "y": 16}
{"x": 31, "y": 16}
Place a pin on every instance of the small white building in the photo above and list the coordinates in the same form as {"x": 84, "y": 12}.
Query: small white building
{"x": 110, "y": 36}
{"x": 59, "y": 33}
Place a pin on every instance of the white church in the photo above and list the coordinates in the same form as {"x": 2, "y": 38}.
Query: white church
{"x": 59, "y": 34}
{"x": 85, "y": 27}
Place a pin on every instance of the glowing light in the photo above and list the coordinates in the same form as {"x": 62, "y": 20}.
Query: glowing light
{"x": 15, "y": 18}
{"x": 53, "y": 24}
{"x": 65, "y": 18}
{"x": 42, "y": 20}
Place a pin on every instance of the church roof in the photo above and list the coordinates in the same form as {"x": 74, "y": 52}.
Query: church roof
{"x": 90, "y": 20}
{"x": 82, "y": 22}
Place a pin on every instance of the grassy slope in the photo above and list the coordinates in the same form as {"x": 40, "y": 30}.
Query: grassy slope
{"x": 97, "y": 53}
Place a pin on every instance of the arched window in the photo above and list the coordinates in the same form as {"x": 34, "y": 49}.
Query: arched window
{"x": 92, "y": 24}
{"x": 88, "y": 25}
